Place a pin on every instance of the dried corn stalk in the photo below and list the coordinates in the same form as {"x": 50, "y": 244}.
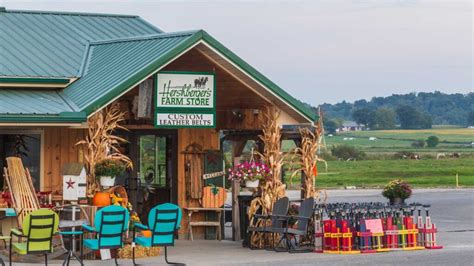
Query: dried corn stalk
{"x": 308, "y": 159}
{"x": 271, "y": 188}
{"x": 101, "y": 143}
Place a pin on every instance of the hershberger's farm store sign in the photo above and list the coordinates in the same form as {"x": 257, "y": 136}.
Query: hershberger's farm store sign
{"x": 185, "y": 99}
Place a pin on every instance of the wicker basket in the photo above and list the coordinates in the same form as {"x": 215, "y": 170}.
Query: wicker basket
{"x": 120, "y": 190}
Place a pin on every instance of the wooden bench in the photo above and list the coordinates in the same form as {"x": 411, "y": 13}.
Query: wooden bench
{"x": 216, "y": 223}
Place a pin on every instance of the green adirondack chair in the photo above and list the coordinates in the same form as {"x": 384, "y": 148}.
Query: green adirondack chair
{"x": 163, "y": 221}
{"x": 109, "y": 225}
{"x": 38, "y": 228}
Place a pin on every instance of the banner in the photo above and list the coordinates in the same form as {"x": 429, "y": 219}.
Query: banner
{"x": 185, "y": 99}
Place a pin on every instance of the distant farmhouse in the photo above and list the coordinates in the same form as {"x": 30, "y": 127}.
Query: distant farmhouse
{"x": 350, "y": 126}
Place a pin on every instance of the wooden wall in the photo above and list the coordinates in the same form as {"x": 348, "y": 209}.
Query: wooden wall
{"x": 59, "y": 148}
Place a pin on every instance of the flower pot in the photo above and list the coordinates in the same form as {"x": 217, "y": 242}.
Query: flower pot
{"x": 397, "y": 201}
{"x": 107, "y": 181}
{"x": 252, "y": 183}
{"x": 101, "y": 199}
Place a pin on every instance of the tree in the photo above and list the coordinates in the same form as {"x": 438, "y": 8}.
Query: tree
{"x": 346, "y": 152}
{"x": 453, "y": 109}
{"x": 410, "y": 118}
{"x": 330, "y": 126}
{"x": 470, "y": 118}
{"x": 384, "y": 118}
{"x": 418, "y": 143}
{"x": 363, "y": 116}
{"x": 432, "y": 141}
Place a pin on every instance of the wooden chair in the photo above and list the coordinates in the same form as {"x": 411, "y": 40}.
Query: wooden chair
{"x": 280, "y": 208}
{"x": 305, "y": 214}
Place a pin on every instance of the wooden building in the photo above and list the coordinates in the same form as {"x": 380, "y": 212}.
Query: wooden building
{"x": 58, "y": 69}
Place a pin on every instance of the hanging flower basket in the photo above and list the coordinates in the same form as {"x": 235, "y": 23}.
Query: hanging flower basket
{"x": 252, "y": 183}
{"x": 250, "y": 172}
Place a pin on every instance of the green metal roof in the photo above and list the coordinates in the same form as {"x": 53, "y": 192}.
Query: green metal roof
{"x": 115, "y": 66}
{"x": 26, "y": 105}
{"x": 25, "y": 101}
{"x": 106, "y": 69}
{"x": 52, "y": 44}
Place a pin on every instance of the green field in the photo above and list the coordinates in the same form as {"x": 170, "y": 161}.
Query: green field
{"x": 451, "y": 140}
{"x": 381, "y": 166}
{"x": 376, "y": 173}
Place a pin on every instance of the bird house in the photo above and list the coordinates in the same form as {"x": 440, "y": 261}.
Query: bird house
{"x": 74, "y": 181}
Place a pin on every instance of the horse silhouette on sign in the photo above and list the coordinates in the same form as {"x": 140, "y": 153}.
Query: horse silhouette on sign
{"x": 200, "y": 82}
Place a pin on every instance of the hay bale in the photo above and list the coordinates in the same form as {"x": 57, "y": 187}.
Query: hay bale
{"x": 140, "y": 252}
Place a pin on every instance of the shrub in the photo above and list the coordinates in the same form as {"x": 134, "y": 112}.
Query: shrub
{"x": 346, "y": 152}
{"x": 403, "y": 155}
{"x": 109, "y": 167}
{"x": 397, "y": 189}
{"x": 432, "y": 141}
{"x": 418, "y": 143}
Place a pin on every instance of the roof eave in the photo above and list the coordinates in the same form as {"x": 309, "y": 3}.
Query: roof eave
{"x": 196, "y": 37}
{"x": 63, "y": 117}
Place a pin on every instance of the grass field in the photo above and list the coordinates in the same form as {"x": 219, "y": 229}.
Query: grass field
{"x": 376, "y": 173}
{"x": 378, "y": 169}
{"x": 449, "y": 135}
{"x": 451, "y": 140}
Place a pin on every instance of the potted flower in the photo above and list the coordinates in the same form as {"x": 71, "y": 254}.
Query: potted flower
{"x": 249, "y": 172}
{"x": 106, "y": 171}
{"x": 397, "y": 191}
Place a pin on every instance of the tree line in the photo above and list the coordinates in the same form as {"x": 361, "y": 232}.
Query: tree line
{"x": 409, "y": 111}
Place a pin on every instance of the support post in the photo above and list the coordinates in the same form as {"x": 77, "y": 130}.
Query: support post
{"x": 235, "y": 211}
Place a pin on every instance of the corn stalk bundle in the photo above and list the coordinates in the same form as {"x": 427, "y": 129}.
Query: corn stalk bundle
{"x": 271, "y": 188}
{"x": 308, "y": 159}
{"x": 101, "y": 143}
{"x": 21, "y": 187}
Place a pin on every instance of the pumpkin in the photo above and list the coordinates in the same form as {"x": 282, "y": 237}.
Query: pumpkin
{"x": 146, "y": 233}
{"x": 213, "y": 197}
{"x": 101, "y": 199}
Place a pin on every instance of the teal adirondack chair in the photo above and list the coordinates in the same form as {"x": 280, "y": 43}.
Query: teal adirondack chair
{"x": 109, "y": 225}
{"x": 163, "y": 222}
{"x": 38, "y": 228}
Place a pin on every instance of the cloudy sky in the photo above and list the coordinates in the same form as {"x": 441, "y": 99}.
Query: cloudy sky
{"x": 323, "y": 51}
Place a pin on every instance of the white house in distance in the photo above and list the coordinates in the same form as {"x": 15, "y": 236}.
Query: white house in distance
{"x": 350, "y": 126}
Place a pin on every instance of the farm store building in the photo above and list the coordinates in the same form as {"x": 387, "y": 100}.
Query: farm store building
{"x": 58, "y": 69}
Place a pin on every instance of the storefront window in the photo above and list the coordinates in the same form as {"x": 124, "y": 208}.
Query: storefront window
{"x": 25, "y": 146}
{"x": 152, "y": 152}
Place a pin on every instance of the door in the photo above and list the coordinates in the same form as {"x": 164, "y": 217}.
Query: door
{"x": 154, "y": 178}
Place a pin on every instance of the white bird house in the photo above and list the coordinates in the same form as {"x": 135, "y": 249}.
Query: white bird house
{"x": 74, "y": 181}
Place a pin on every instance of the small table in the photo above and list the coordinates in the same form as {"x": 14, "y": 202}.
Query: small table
{"x": 70, "y": 252}
{"x": 217, "y": 224}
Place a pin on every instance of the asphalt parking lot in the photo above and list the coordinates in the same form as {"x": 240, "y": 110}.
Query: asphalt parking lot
{"x": 452, "y": 211}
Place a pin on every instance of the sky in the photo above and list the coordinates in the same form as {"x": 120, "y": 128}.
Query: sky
{"x": 323, "y": 51}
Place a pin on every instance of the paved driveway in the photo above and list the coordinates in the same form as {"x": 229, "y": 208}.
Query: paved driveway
{"x": 452, "y": 211}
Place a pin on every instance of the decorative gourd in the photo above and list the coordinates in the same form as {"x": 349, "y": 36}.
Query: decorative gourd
{"x": 213, "y": 197}
{"x": 101, "y": 199}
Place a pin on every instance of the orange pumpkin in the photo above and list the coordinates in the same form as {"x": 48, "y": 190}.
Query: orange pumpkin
{"x": 213, "y": 197}
{"x": 146, "y": 233}
{"x": 101, "y": 199}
